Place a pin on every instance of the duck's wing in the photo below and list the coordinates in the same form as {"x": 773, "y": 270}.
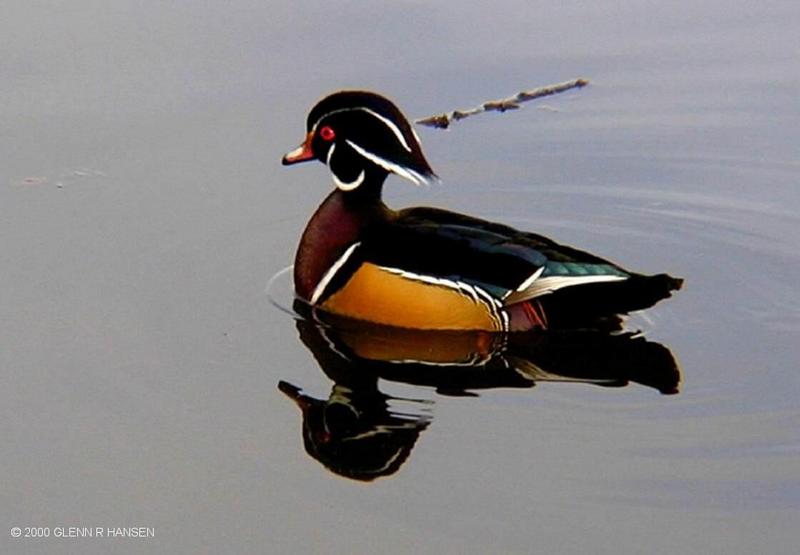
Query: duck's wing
{"x": 433, "y": 269}
{"x": 512, "y": 266}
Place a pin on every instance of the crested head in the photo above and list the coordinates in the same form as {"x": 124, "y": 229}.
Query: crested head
{"x": 362, "y": 137}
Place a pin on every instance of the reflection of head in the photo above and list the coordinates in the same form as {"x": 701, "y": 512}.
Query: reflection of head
{"x": 353, "y": 433}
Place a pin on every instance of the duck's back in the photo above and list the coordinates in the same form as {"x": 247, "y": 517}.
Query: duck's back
{"x": 430, "y": 268}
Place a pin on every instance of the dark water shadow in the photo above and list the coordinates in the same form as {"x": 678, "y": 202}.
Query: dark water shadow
{"x": 356, "y": 433}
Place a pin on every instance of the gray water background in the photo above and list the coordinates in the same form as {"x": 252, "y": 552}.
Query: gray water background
{"x": 143, "y": 210}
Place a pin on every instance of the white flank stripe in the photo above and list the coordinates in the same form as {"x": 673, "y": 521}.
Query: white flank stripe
{"x": 469, "y": 290}
{"x": 323, "y": 283}
{"x": 527, "y": 283}
{"x": 476, "y": 294}
{"x": 419, "y": 277}
{"x": 546, "y": 285}
{"x": 411, "y": 175}
{"x": 506, "y": 322}
{"x": 496, "y": 307}
{"x": 487, "y": 297}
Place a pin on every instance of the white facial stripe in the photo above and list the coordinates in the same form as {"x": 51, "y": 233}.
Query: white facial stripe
{"x": 386, "y": 121}
{"x": 391, "y": 125}
{"x": 326, "y": 279}
{"x": 330, "y": 153}
{"x": 414, "y": 132}
{"x": 415, "y": 177}
{"x": 349, "y": 186}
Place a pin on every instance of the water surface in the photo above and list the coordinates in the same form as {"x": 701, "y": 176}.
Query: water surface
{"x": 144, "y": 209}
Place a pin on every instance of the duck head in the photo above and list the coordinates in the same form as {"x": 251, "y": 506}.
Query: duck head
{"x": 362, "y": 137}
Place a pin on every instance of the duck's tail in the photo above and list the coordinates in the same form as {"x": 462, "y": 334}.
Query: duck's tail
{"x": 581, "y": 306}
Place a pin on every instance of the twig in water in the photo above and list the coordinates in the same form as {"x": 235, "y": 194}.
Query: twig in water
{"x": 443, "y": 121}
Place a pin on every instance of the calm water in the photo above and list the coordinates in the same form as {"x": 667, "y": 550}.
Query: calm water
{"x": 143, "y": 210}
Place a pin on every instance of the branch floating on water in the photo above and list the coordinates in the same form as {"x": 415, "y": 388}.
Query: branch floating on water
{"x": 443, "y": 121}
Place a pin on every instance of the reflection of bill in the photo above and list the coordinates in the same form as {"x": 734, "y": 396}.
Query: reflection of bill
{"x": 354, "y": 433}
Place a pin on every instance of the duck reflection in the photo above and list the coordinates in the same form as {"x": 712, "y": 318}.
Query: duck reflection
{"x": 354, "y": 433}
{"x": 358, "y": 434}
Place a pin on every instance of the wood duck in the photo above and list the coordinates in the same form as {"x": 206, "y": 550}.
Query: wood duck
{"x": 427, "y": 268}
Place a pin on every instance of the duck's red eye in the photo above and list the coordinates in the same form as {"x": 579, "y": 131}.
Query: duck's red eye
{"x": 327, "y": 133}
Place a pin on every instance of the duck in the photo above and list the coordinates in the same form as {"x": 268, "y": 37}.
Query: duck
{"x": 428, "y": 268}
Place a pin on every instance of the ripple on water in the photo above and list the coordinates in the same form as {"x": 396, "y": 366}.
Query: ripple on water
{"x": 280, "y": 291}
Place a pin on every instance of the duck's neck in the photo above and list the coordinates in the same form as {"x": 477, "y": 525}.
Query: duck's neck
{"x": 336, "y": 225}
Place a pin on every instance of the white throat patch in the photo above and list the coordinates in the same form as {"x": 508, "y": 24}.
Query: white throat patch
{"x": 348, "y": 186}
{"x": 341, "y": 185}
